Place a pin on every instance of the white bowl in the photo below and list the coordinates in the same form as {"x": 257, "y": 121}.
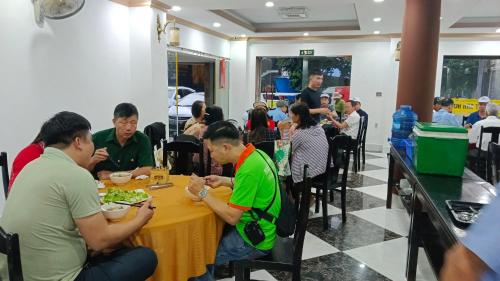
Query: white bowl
{"x": 114, "y": 212}
{"x": 120, "y": 178}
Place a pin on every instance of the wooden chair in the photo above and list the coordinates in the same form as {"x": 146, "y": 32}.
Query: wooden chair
{"x": 9, "y": 246}
{"x": 5, "y": 172}
{"x": 493, "y": 163}
{"x": 287, "y": 252}
{"x": 182, "y": 154}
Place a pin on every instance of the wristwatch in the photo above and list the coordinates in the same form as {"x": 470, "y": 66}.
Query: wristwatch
{"x": 203, "y": 193}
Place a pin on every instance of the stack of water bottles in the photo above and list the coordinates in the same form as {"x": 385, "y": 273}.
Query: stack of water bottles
{"x": 403, "y": 121}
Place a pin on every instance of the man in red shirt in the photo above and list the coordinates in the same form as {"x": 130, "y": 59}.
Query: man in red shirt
{"x": 25, "y": 156}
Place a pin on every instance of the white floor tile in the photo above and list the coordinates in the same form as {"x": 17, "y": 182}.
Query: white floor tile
{"x": 257, "y": 275}
{"x": 315, "y": 247}
{"x": 377, "y": 174}
{"x": 379, "y": 191}
{"x": 381, "y": 162}
{"x": 389, "y": 259}
{"x": 395, "y": 220}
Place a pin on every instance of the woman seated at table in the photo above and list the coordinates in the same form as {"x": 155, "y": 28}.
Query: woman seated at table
{"x": 309, "y": 144}
{"x": 25, "y": 156}
{"x": 260, "y": 131}
{"x": 213, "y": 114}
{"x": 195, "y": 125}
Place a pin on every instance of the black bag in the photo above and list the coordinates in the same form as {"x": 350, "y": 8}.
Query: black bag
{"x": 285, "y": 223}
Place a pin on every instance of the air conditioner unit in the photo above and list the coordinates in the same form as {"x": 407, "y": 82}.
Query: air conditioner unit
{"x": 293, "y": 12}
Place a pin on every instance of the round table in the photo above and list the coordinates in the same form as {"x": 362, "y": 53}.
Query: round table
{"x": 184, "y": 234}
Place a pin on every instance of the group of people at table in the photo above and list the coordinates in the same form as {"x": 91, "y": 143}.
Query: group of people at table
{"x": 53, "y": 204}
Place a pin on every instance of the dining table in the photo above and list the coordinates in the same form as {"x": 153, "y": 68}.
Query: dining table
{"x": 183, "y": 233}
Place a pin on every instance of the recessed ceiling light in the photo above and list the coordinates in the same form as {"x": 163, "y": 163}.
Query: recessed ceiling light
{"x": 306, "y": 33}
{"x": 376, "y": 32}
{"x": 440, "y": 18}
{"x": 269, "y": 4}
{"x": 498, "y": 30}
{"x": 217, "y": 24}
{"x": 243, "y": 35}
{"x": 377, "y": 19}
{"x": 378, "y": 1}
{"x": 176, "y": 8}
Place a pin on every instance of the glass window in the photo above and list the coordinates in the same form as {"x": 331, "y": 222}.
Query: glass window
{"x": 471, "y": 77}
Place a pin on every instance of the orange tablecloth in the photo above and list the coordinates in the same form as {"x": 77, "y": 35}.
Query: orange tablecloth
{"x": 184, "y": 234}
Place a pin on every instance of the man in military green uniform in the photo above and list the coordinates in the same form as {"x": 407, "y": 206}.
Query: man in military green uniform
{"x": 122, "y": 148}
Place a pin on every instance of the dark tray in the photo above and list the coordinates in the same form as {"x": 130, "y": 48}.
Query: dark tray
{"x": 464, "y": 213}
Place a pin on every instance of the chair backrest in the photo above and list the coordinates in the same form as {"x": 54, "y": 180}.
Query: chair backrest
{"x": 267, "y": 147}
{"x": 302, "y": 217}
{"x": 5, "y": 172}
{"x": 9, "y": 246}
{"x": 359, "y": 137}
{"x": 183, "y": 160}
{"x": 343, "y": 145}
{"x": 494, "y": 131}
{"x": 493, "y": 163}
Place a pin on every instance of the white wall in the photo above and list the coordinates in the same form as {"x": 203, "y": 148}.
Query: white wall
{"x": 203, "y": 42}
{"x": 88, "y": 64}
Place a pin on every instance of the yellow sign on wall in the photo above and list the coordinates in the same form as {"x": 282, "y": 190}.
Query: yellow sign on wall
{"x": 467, "y": 106}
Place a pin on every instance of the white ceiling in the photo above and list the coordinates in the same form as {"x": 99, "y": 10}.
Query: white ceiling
{"x": 391, "y": 12}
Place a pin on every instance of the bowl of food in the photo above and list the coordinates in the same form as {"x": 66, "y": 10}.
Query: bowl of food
{"x": 120, "y": 178}
{"x": 114, "y": 212}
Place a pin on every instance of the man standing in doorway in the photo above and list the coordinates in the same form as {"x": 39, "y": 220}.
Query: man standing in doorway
{"x": 312, "y": 97}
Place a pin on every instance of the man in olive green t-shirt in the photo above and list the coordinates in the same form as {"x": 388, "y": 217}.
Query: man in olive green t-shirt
{"x": 54, "y": 208}
{"x": 255, "y": 186}
{"x": 122, "y": 148}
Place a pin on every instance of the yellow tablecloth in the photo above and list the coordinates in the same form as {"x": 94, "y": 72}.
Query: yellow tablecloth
{"x": 184, "y": 234}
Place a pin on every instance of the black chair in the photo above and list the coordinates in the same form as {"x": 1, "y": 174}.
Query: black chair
{"x": 358, "y": 145}
{"x": 9, "y": 246}
{"x": 156, "y": 132}
{"x": 340, "y": 150}
{"x": 5, "y": 172}
{"x": 493, "y": 163}
{"x": 182, "y": 153}
{"x": 478, "y": 156}
{"x": 363, "y": 142}
{"x": 267, "y": 147}
{"x": 287, "y": 252}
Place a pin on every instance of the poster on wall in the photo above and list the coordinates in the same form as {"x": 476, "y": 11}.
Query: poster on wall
{"x": 222, "y": 74}
{"x": 465, "y": 107}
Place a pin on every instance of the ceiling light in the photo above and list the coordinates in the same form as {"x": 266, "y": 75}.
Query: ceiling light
{"x": 243, "y": 35}
{"x": 377, "y": 19}
{"x": 376, "y": 32}
{"x": 498, "y": 30}
{"x": 217, "y": 24}
{"x": 378, "y": 1}
{"x": 440, "y": 18}
{"x": 306, "y": 34}
{"x": 269, "y": 4}
{"x": 176, "y": 8}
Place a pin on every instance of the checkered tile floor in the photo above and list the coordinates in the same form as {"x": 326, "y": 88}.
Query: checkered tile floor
{"x": 372, "y": 245}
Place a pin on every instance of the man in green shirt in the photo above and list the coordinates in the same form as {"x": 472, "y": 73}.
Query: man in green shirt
{"x": 55, "y": 209}
{"x": 255, "y": 186}
{"x": 122, "y": 148}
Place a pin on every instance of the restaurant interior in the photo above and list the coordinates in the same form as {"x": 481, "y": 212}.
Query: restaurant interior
{"x": 175, "y": 140}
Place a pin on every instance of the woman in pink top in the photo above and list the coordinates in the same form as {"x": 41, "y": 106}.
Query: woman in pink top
{"x": 25, "y": 156}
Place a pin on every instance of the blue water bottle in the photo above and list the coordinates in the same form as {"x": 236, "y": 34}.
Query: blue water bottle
{"x": 403, "y": 121}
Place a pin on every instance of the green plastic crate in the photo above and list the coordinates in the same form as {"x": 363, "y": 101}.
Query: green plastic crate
{"x": 440, "y": 149}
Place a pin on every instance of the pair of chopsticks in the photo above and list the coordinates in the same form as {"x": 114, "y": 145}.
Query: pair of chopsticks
{"x": 134, "y": 205}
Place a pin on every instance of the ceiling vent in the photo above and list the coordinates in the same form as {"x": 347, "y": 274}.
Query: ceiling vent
{"x": 293, "y": 12}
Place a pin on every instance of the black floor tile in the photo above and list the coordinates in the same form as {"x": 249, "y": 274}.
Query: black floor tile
{"x": 358, "y": 201}
{"x": 338, "y": 266}
{"x": 358, "y": 180}
{"x": 355, "y": 233}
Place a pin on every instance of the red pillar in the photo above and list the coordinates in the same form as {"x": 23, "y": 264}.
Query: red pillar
{"x": 419, "y": 51}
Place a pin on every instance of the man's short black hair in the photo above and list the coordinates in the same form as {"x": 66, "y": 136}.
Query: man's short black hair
{"x": 446, "y": 102}
{"x": 63, "y": 128}
{"x": 125, "y": 110}
{"x": 353, "y": 103}
{"x": 315, "y": 72}
{"x": 222, "y": 130}
{"x": 437, "y": 100}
